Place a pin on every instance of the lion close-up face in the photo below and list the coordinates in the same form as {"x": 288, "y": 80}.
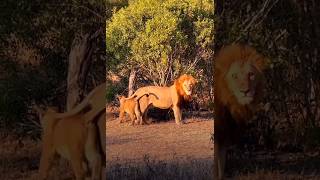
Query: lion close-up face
{"x": 242, "y": 80}
{"x": 239, "y": 75}
{"x": 185, "y": 85}
{"x": 188, "y": 85}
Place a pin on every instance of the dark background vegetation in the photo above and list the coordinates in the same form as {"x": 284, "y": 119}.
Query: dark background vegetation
{"x": 36, "y": 39}
{"x": 287, "y": 32}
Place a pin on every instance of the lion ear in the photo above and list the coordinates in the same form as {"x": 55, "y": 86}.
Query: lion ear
{"x": 263, "y": 63}
{"x": 118, "y": 96}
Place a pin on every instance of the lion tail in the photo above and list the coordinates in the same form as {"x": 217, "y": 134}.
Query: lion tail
{"x": 80, "y": 107}
{"x": 138, "y": 97}
{"x": 85, "y": 103}
{"x": 146, "y": 94}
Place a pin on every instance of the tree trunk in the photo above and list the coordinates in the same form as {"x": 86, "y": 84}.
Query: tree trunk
{"x": 132, "y": 79}
{"x": 79, "y": 64}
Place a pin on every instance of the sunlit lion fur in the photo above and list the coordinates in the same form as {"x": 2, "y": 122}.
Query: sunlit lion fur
{"x": 169, "y": 97}
{"x": 238, "y": 69}
{"x": 82, "y": 143}
{"x": 134, "y": 109}
{"x": 92, "y": 104}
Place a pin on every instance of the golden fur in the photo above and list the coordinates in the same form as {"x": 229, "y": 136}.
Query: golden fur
{"x": 168, "y": 97}
{"x": 238, "y": 89}
{"x": 74, "y": 139}
{"x": 94, "y": 101}
{"x": 134, "y": 107}
{"x": 127, "y": 106}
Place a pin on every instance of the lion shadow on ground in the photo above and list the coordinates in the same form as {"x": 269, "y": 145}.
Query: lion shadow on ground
{"x": 156, "y": 115}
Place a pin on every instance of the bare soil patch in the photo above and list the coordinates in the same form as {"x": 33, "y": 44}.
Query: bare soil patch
{"x": 160, "y": 141}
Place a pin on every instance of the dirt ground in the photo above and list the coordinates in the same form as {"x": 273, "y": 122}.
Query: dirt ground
{"x": 160, "y": 141}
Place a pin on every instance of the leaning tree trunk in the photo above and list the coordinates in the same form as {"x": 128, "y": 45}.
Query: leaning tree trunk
{"x": 132, "y": 79}
{"x": 79, "y": 64}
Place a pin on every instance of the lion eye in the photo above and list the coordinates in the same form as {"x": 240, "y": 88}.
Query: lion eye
{"x": 235, "y": 76}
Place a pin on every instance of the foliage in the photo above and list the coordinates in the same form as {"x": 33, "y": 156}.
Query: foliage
{"x": 161, "y": 38}
{"x": 35, "y": 42}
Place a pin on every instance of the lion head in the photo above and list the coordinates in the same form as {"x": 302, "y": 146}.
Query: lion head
{"x": 184, "y": 85}
{"x": 239, "y": 75}
{"x": 243, "y": 79}
{"x": 121, "y": 99}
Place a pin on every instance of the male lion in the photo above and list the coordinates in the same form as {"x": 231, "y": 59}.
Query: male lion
{"x": 134, "y": 107}
{"x": 238, "y": 90}
{"x": 169, "y": 97}
{"x": 74, "y": 139}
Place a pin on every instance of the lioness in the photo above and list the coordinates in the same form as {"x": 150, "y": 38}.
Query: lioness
{"x": 74, "y": 139}
{"x": 93, "y": 103}
{"x": 169, "y": 97}
{"x": 237, "y": 92}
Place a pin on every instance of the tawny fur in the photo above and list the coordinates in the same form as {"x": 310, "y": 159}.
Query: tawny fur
{"x": 93, "y": 104}
{"x": 74, "y": 139}
{"x": 135, "y": 108}
{"x": 230, "y": 115}
{"x": 169, "y": 97}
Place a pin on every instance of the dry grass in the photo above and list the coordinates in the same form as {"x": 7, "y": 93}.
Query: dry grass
{"x": 151, "y": 169}
{"x": 19, "y": 159}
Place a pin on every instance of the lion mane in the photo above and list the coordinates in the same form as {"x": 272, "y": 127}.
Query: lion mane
{"x": 178, "y": 83}
{"x": 239, "y": 85}
{"x": 168, "y": 97}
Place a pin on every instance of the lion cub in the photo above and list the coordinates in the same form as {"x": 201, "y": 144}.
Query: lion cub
{"x": 73, "y": 139}
{"x": 136, "y": 108}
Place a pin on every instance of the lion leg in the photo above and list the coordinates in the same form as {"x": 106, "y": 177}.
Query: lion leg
{"x": 145, "y": 114}
{"x": 132, "y": 117}
{"x": 177, "y": 115}
{"x": 92, "y": 152}
{"x": 145, "y": 118}
{"x": 219, "y": 161}
{"x": 47, "y": 157}
{"x": 77, "y": 158}
{"x": 121, "y": 114}
{"x": 138, "y": 114}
